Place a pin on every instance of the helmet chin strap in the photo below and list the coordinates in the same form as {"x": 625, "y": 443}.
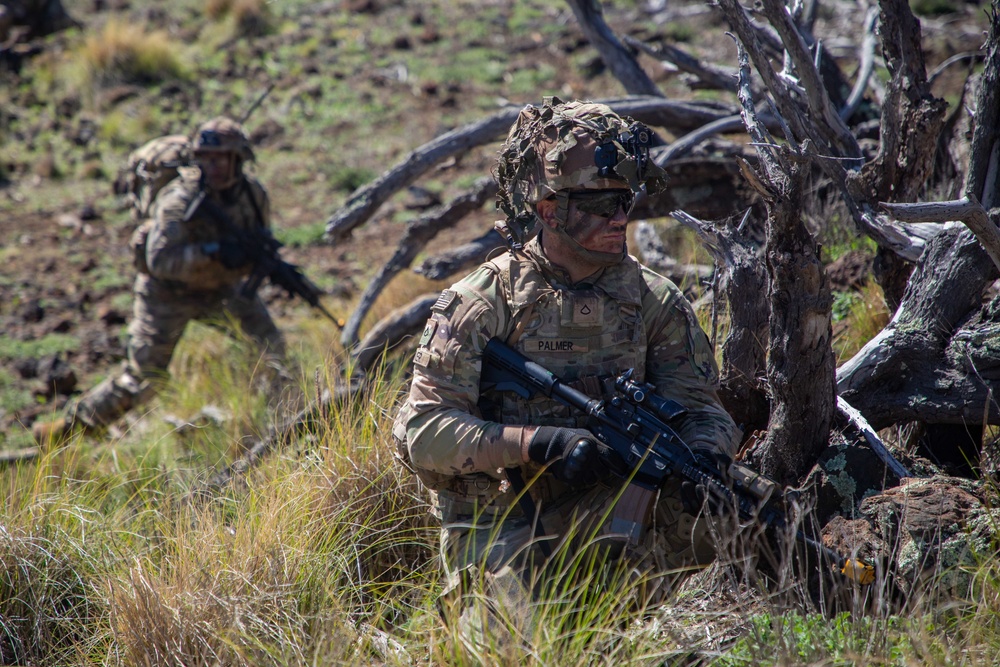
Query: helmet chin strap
{"x": 602, "y": 259}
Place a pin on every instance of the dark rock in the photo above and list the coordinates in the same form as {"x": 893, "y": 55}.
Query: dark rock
{"x": 26, "y": 368}
{"x": 846, "y": 473}
{"x": 56, "y": 375}
{"x": 938, "y": 529}
{"x": 31, "y": 311}
{"x": 88, "y": 212}
{"x": 110, "y": 315}
{"x": 63, "y": 325}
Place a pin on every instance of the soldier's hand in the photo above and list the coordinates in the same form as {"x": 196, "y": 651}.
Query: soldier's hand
{"x": 574, "y": 456}
{"x": 228, "y": 253}
{"x": 713, "y": 460}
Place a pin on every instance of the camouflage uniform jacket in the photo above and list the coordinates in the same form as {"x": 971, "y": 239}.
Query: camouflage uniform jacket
{"x": 626, "y": 317}
{"x": 175, "y": 254}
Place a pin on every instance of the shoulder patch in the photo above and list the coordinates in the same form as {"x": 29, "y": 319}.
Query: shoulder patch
{"x": 447, "y": 297}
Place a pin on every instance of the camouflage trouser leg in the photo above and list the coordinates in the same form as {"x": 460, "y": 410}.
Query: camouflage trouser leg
{"x": 153, "y": 333}
{"x": 506, "y": 557}
{"x": 675, "y": 546}
{"x": 253, "y": 320}
{"x": 159, "y": 318}
{"x": 250, "y": 318}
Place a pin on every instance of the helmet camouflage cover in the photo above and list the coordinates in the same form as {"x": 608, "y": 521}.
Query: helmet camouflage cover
{"x": 222, "y": 134}
{"x": 569, "y": 145}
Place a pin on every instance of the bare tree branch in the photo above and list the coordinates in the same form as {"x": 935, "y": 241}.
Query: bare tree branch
{"x": 450, "y": 262}
{"x": 983, "y": 177}
{"x": 710, "y": 76}
{"x": 677, "y": 117}
{"x": 391, "y": 331}
{"x": 871, "y": 437}
{"x": 418, "y": 233}
{"x": 654, "y": 255}
{"x": 618, "y": 59}
{"x": 867, "y": 66}
{"x": 367, "y": 199}
{"x": 968, "y": 210}
{"x": 827, "y": 120}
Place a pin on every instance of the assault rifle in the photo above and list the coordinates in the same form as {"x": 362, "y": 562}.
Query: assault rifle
{"x": 635, "y": 424}
{"x": 263, "y": 250}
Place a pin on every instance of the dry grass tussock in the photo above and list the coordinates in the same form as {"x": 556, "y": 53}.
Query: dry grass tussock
{"x": 325, "y": 554}
{"x": 46, "y": 599}
{"x": 126, "y": 53}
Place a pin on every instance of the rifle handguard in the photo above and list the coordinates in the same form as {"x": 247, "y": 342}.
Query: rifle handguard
{"x": 635, "y": 425}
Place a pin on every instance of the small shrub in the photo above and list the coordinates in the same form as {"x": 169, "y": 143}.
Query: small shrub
{"x": 251, "y": 18}
{"x": 126, "y": 53}
{"x": 348, "y": 179}
{"x": 303, "y": 235}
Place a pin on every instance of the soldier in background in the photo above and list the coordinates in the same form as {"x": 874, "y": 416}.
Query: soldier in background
{"x": 190, "y": 267}
{"x": 569, "y": 297}
{"x": 28, "y": 19}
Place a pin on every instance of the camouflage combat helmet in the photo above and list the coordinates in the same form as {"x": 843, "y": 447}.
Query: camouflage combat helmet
{"x": 569, "y": 145}
{"x": 222, "y": 134}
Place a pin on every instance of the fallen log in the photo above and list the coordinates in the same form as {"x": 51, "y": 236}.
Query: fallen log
{"x": 418, "y": 233}
{"x": 675, "y": 117}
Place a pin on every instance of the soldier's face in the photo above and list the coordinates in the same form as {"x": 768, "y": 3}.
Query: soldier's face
{"x": 597, "y": 219}
{"x": 217, "y": 168}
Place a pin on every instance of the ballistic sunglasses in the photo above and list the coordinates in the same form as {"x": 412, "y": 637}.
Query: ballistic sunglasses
{"x": 603, "y": 203}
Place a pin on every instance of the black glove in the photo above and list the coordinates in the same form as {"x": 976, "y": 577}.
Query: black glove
{"x": 228, "y": 253}
{"x": 693, "y": 494}
{"x": 576, "y": 456}
{"x": 714, "y": 460}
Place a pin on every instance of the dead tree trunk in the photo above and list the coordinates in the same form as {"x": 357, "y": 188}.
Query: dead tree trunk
{"x": 800, "y": 366}
{"x": 912, "y": 120}
{"x": 742, "y": 277}
{"x": 937, "y": 361}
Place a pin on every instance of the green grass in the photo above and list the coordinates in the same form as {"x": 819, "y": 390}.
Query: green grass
{"x": 325, "y": 554}
{"x": 863, "y": 314}
{"x": 805, "y": 639}
{"x": 26, "y": 349}
{"x": 126, "y": 53}
{"x": 302, "y": 235}
{"x": 12, "y": 395}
